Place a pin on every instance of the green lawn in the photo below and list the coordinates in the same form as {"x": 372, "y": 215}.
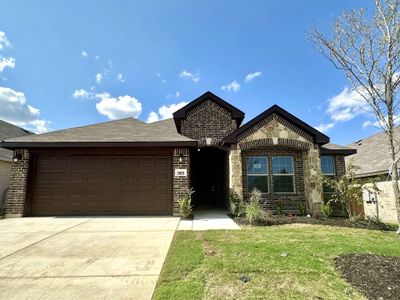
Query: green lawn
{"x": 208, "y": 264}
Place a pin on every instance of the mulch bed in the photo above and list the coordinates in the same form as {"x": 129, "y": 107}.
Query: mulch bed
{"x": 376, "y": 276}
{"x": 340, "y": 222}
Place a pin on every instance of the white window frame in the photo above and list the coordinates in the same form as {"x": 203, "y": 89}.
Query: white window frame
{"x": 253, "y": 174}
{"x": 333, "y": 164}
{"x": 291, "y": 174}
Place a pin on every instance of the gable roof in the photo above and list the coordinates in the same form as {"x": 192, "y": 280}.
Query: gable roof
{"x": 372, "y": 155}
{"x": 181, "y": 113}
{"x": 318, "y": 136}
{"x": 123, "y": 132}
{"x": 8, "y": 131}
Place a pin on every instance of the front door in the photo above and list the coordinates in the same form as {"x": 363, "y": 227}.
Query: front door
{"x": 208, "y": 177}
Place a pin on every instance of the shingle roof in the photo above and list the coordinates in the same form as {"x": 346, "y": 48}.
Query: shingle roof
{"x": 372, "y": 154}
{"x": 127, "y": 130}
{"x": 8, "y": 131}
{"x": 336, "y": 149}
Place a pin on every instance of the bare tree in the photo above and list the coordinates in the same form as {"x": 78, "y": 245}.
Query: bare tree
{"x": 367, "y": 48}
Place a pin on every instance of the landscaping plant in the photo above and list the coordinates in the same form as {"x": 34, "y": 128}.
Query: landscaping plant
{"x": 237, "y": 203}
{"x": 254, "y": 212}
{"x": 185, "y": 204}
{"x": 327, "y": 210}
{"x": 347, "y": 189}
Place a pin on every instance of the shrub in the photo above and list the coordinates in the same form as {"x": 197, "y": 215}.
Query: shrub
{"x": 236, "y": 202}
{"x": 185, "y": 204}
{"x": 327, "y": 210}
{"x": 253, "y": 211}
{"x": 348, "y": 189}
{"x": 302, "y": 209}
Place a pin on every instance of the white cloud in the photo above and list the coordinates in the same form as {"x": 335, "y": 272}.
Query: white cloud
{"x": 380, "y": 124}
{"x": 84, "y": 53}
{"x": 121, "y": 107}
{"x": 233, "y": 86}
{"x": 164, "y": 112}
{"x": 120, "y": 77}
{"x": 6, "y": 62}
{"x": 15, "y": 110}
{"x": 153, "y": 117}
{"x": 4, "y": 43}
{"x": 346, "y": 105}
{"x": 177, "y": 94}
{"x": 99, "y": 78}
{"x": 325, "y": 127}
{"x": 81, "y": 93}
{"x": 249, "y": 77}
{"x": 186, "y": 74}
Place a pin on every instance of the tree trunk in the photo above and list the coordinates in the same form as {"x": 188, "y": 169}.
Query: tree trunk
{"x": 395, "y": 185}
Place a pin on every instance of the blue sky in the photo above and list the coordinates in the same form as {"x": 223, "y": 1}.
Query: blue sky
{"x": 70, "y": 63}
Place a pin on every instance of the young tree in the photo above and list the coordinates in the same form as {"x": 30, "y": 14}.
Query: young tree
{"x": 348, "y": 190}
{"x": 367, "y": 49}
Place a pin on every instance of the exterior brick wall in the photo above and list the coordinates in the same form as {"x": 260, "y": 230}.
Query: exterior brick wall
{"x": 289, "y": 202}
{"x": 15, "y": 202}
{"x": 340, "y": 165}
{"x": 180, "y": 184}
{"x": 276, "y": 134}
{"x": 208, "y": 120}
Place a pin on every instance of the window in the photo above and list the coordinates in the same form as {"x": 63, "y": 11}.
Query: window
{"x": 283, "y": 174}
{"x": 327, "y": 165}
{"x": 328, "y": 169}
{"x": 257, "y": 173}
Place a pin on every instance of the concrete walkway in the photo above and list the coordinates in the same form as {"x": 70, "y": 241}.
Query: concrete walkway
{"x": 83, "y": 258}
{"x": 211, "y": 219}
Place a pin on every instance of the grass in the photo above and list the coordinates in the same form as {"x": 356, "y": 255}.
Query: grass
{"x": 208, "y": 264}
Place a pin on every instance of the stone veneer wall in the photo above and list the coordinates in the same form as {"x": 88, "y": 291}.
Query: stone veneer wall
{"x": 15, "y": 202}
{"x": 385, "y": 206}
{"x": 289, "y": 202}
{"x": 208, "y": 120}
{"x": 282, "y": 134}
{"x": 180, "y": 184}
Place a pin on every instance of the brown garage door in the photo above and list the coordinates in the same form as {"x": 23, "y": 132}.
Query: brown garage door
{"x": 102, "y": 185}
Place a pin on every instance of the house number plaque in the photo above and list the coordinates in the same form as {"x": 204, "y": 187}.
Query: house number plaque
{"x": 180, "y": 172}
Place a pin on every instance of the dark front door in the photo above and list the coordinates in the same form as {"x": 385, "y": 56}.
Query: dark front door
{"x": 208, "y": 177}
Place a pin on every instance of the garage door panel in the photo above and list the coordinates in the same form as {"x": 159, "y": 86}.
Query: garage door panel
{"x": 103, "y": 185}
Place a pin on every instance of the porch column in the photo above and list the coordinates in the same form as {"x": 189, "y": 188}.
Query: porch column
{"x": 312, "y": 183}
{"x": 235, "y": 170}
{"x": 15, "y": 202}
{"x": 181, "y": 176}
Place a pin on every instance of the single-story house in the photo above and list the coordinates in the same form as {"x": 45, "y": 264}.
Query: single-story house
{"x": 7, "y": 131}
{"x": 130, "y": 167}
{"x": 372, "y": 160}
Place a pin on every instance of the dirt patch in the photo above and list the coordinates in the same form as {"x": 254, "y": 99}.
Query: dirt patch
{"x": 340, "y": 222}
{"x": 376, "y": 276}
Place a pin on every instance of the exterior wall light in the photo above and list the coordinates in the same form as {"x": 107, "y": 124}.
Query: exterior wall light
{"x": 180, "y": 157}
{"x": 17, "y": 156}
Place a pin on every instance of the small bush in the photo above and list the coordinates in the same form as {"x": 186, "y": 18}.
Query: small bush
{"x": 327, "y": 210}
{"x": 185, "y": 204}
{"x": 253, "y": 210}
{"x": 237, "y": 203}
{"x": 302, "y": 209}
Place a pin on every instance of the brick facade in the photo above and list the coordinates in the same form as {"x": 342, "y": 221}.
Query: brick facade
{"x": 180, "y": 184}
{"x": 208, "y": 120}
{"x": 276, "y": 135}
{"x": 15, "y": 203}
{"x": 289, "y": 202}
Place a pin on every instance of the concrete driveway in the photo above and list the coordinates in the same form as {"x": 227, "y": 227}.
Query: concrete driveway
{"x": 83, "y": 258}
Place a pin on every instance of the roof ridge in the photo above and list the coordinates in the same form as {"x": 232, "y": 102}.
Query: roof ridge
{"x": 371, "y": 136}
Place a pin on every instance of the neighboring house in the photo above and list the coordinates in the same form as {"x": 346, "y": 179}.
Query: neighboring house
{"x": 130, "y": 167}
{"x": 372, "y": 158}
{"x": 7, "y": 131}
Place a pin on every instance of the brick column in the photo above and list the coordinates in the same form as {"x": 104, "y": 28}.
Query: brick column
{"x": 180, "y": 183}
{"x": 235, "y": 171}
{"x": 312, "y": 182}
{"x": 15, "y": 201}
